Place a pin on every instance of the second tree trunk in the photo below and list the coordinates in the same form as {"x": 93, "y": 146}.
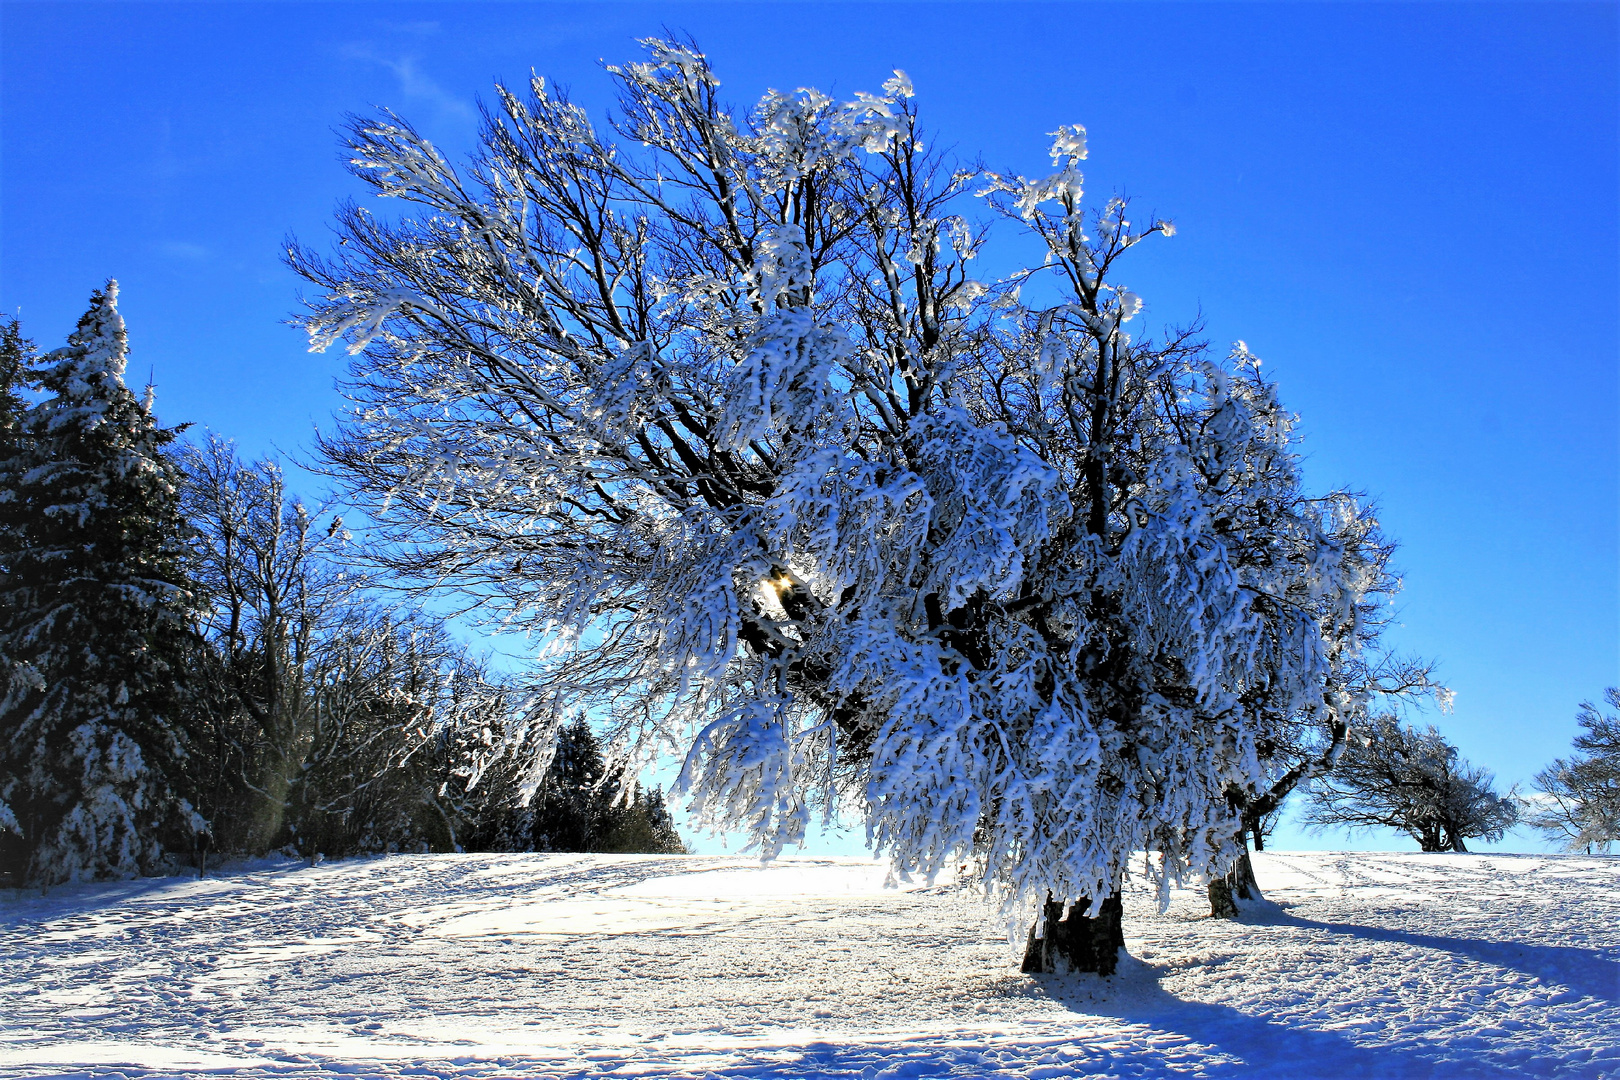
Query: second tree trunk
{"x": 1238, "y": 884}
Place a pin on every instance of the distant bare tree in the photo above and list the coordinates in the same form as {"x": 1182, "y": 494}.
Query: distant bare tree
{"x": 376, "y": 758}
{"x": 1307, "y": 750}
{"x": 261, "y": 561}
{"x": 1578, "y": 798}
{"x": 1397, "y": 777}
{"x": 324, "y": 720}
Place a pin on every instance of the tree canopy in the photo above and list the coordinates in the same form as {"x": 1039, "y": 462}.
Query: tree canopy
{"x": 721, "y": 406}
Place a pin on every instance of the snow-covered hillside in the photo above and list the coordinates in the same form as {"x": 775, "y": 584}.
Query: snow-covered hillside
{"x": 560, "y": 965}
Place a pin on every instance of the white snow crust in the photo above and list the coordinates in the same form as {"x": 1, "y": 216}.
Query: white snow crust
{"x": 1376, "y": 965}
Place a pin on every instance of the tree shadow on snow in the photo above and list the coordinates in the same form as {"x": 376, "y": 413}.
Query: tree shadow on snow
{"x": 22, "y": 905}
{"x": 1582, "y": 970}
{"x": 1244, "y": 1045}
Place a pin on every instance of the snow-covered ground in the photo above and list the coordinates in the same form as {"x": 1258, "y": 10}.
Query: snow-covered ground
{"x": 534, "y": 965}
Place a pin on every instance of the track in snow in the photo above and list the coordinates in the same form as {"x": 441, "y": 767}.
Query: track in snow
{"x": 582, "y": 966}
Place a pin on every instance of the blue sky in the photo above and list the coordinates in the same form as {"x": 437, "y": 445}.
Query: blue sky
{"x": 1408, "y": 210}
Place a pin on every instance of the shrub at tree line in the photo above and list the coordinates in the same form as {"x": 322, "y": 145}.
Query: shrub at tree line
{"x": 188, "y": 672}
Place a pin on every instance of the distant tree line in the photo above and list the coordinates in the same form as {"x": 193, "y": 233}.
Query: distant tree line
{"x": 191, "y": 668}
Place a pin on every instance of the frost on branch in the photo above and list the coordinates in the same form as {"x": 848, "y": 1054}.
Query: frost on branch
{"x": 716, "y": 408}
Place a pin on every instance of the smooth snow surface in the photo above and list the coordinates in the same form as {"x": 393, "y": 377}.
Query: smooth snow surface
{"x": 586, "y": 966}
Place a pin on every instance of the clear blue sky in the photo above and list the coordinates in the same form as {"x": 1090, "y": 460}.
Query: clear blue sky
{"x": 1408, "y": 210}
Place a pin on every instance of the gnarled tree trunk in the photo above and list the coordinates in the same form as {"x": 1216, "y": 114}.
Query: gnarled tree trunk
{"x": 1079, "y": 942}
{"x": 1238, "y": 884}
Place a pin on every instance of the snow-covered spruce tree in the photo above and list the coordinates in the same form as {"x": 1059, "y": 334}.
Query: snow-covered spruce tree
{"x": 572, "y": 808}
{"x": 1577, "y": 800}
{"x": 583, "y": 803}
{"x": 645, "y": 826}
{"x": 93, "y": 617}
{"x": 720, "y": 407}
{"x": 1397, "y": 777}
{"x": 17, "y": 363}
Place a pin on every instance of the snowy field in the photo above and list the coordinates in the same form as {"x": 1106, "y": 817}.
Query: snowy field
{"x": 648, "y": 966}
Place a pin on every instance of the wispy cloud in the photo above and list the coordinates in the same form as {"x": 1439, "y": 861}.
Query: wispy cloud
{"x": 417, "y": 28}
{"x": 181, "y": 249}
{"x": 414, "y": 83}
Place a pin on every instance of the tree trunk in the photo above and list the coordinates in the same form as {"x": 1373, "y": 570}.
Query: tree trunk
{"x": 1077, "y": 943}
{"x": 1239, "y": 883}
{"x": 1221, "y": 903}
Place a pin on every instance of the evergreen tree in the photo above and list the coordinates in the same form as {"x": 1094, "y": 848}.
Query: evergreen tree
{"x": 585, "y": 803}
{"x": 643, "y": 825}
{"x": 16, "y": 370}
{"x": 17, "y": 360}
{"x": 93, "y": 621}
{"x": 490, "y": 764}
{"x": 573, "y": 806}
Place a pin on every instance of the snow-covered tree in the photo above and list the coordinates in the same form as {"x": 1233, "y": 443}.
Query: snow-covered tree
{"x": 271, "y": 578}
{"x": 17, "y": 361}
{"x": 584, "y": 804}
{"x": 487, "y": 766}
{"x": 386, "y": 688}
{"x": 1397, "y": 777}
{"x": 321, "y": 719}
{"x": 1302, "y": 751}
{"x": 572, "y": 807}
{"x": 93, "y": 616}
{"x": 722, "y": 408}
{"x": 1577, "y": 799}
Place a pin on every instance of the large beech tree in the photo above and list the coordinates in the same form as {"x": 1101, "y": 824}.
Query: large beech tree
{"x": 719, "y": 404}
